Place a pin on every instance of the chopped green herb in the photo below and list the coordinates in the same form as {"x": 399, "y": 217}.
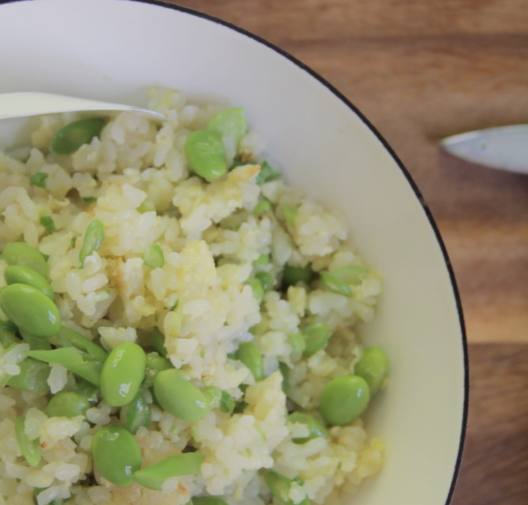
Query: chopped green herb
{"x": 227, "y": 403}
{"x": 90, "y": 198}
{"x": 267, "y": 173}
{"x": 48, "y": 223}
{"x": 261, "y": 208}
{"x": 72, "y": 242}
{"x": 39, "y": 179}
{"x": 93, "y": 238}
{"x": 290, "y": 213}
{"x": 263, "y": 259}
{"x": 334, "y": 284}
{"x": 146, "y": 207}
{"x": 153, "y": 256}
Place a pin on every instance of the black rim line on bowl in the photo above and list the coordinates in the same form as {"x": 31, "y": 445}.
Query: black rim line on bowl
{"x": 405, "y": 172}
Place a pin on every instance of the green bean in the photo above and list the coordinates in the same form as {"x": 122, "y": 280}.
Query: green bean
{"x": 30, "y": 309}
{"x": 285, "y": 371}
{"x": 180, "y": 397}
{"x": 155, "y": 364}
{"x": 256, "y": 286}
{"x": 75, "y": 361}
{"x": 70, "y": 138}
{"x": 152, "y": 477}
{"x": 213, "y": 395}
{"x": 93, "y": 238}
{"x": 116, "y": 455}
{"x": 262, "y": 260}
{"x": 67, "y": 404}
{"x": 18, "y": 274}
{"x": 206, "y": 154}
{"x": 48, "y": 223}
{"x": 248, "y": 354}
{"x": 70, "y": 338}
{"x": 36, "y": 343}
{"x": 230, "y": 123}
{"x": 30, "y": 449}
{"x": 315, "y": 427}
{"x": 158, "y": 342}
{"x": 316, "y": 335}
{"x": 122, "y": 374}
{"x": 267, "y": 173}
{"x": 266, "y": 280}
{"x": 33, "y": 376}
{"x": 136, "y": 413}
{"x": 19, "y": 253}
{"x": 372, "y": 366}
{"x": 227, "y": 403}
{"x": 290, "y": 213}
{"x": 208, "y": 500}
{"x": 262, "y": 208}
{"x": 344, "y": 399}
{"x": 153, "y": 256}
{"x": 332, "y": 283}
{"x": 7, "y": 338}
{"x": 39, "y": 179}
{"x": 292, "y": 275}
{"x": 351, "y": 274}
{"x": 280, "y": 487}
{"x": 297, "y": 342}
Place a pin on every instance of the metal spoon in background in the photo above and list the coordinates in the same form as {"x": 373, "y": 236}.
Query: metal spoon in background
{"x": 504, "y": 148}
{"x": 24, "y": 104}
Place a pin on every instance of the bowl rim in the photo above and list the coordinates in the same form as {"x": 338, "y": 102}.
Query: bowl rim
{"x": 399, "y": 163}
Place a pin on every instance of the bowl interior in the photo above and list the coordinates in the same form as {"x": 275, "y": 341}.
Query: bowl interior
{"x": 113, "y": 50}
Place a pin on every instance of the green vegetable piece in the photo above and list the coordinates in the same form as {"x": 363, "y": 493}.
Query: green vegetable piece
{"x": 290, "y": 213}
{"x": 180, "y": 397}
{"x": 297, "y": 342}
{"x": 116, "y": 455}
{"x": 267, "y": 173}
{"x": 155, "y": 364}
{"x": 30, "y": 449}
{"x": 146, "y": 207}
{"x": 33, "y": 376}
{"x": 262, "y": 208}
{"x": 19, "y": 253}
{"x": 316, "y": 336}
{"x": 266, "y": 280}
{"x": 89, "y": 199}
{"x": 372, "y": 366}
{"x": 93, "y": 238}
{"x": 6, "y": 324}
{"x": 280, "y": 487}
{"x": 248, "y": 354}
{"x": 70, "y": 338}
{"x": 227, "y": 403}
{"x": 230, "y": 123}
{"x": 122, "y": 374}
{"x": 351, "y": 275}
{"x": 153, "y": 256}
{"x": 30, "y": 309}
{"x": 39, "y": 179}
{"x": 213, "y": 395}
{"x": 158, "y": 342}
{"x": 206, "y": 154}
{"x": 35, "y": 343}
{"x": 75, "y": 361}
{"x": 67, "y": 404}
{"x": 344, "y": 399}
{"x": 18, "y": 274}
{"x": 8, "y": 338}
{"x": 256, "y": 286}
{"x": 332, "y": 283}
{"x": 262, "y": 260}
{"x": 152, "y": 477}
{"x": 292, "y": 275}
{"x": 285, "y": 371}
{"x": 315, "y": 427}
{"x": 136, "y": 413}
{"x": 48, "y": 223}
{"x": 208, "y": 500}
{"x": 87, "y": 389}
{"x": 70, "y": 138}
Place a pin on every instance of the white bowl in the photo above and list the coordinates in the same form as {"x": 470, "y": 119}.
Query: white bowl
{"x": 112, "y": 50}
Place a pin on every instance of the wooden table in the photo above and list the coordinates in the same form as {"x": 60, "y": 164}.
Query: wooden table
{"x": 421, "y": 70}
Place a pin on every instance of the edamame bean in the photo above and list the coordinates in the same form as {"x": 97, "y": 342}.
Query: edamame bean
{"x": 70, "y": 338}
{"x": 136, "y": 413}
{"x": 297, "y": 341}
{"x": 153, "y": 256}
{"x": 74, "y": 360}
{"x": 280, "y": 487}
{"x": 116, "y": 455}
{"x": 267, "y": 173}
{"x": 208, "y": 500}
{"x": 262, "y": 260}
{"x": 30, "y": 449}
{"x": 213, "y": 395}
{"x": 67, "y": 404}
{"x": 334, "y": 284}
{"x": 152, "y": 477}
{"x": 351, "y": 274}
{"x": 316, "y": 336}
{"x": 285, "y": 371}
{"x": 122, "y": 374}
{"x": 227, "y": 403}
{"x": 7, "y": 338}
{"x": 206, "y": 154}
{"x": 179, "y": 396}
{"x": 18, "y": 274}
{"x": 70, "y": 138}
{"x": 315, "y": 427}
{"x": 372, "y": 366}
{"x": 344, "y": 399}
{"x": 36, "y": 343}
{"x": 230, "y": 123}
{"x": 87, "y": 389}
{"x": 19, "y": 253}
{"x": 33, "y": 376}
{"x": 31, "y": 310}
{"x": 256, "y": 286}
{"x": 155, "y": 364}
{"x": 266, "y": 280}
{"x": 93, "y": 238}
{"x": 292, "y": 275}
{"x": 248, "y": 354}
{"x": 158, "y": 342}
